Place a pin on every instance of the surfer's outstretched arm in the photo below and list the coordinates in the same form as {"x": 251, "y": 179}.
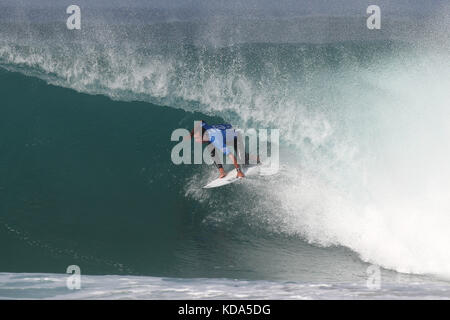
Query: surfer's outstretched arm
{"x": 189, "y": 136}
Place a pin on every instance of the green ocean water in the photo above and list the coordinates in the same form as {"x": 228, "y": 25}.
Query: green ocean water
{"x": 86, "y": 179}
{"x": 89, "y": 181}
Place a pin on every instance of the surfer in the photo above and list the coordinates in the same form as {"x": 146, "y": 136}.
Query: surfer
{"x": 217, "y": 137}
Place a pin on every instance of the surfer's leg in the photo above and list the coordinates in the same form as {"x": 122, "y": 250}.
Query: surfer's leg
{"x": 239, "y": 150}
{"x": 217, "y": 161}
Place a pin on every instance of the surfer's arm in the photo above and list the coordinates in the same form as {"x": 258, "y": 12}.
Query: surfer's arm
{"x": 190, "y": 135}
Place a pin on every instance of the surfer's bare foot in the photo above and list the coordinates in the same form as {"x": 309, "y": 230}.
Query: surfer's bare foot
{"x": 222, "y": 173}
{"x": 240, "y": 174}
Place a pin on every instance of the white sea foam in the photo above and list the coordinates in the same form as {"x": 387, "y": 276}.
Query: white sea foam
{"x": 52, "y": 286}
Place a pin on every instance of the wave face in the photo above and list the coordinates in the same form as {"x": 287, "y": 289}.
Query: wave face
{"x": 364, "y": 144}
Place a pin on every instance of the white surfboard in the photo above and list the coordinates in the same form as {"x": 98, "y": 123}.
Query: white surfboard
{"x": 231, "y": 177}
